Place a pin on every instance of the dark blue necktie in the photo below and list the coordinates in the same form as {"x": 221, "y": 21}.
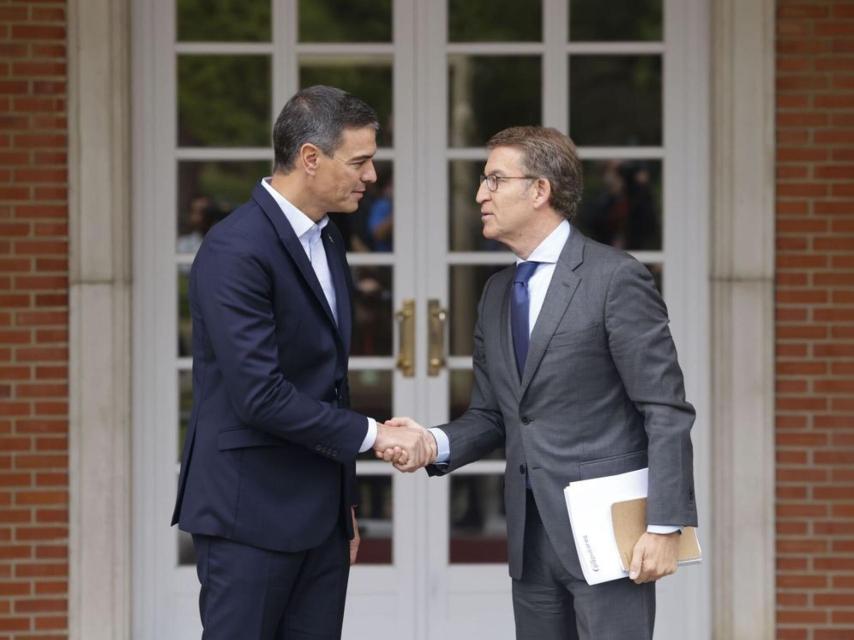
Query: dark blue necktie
{"x": 519, "y": 306}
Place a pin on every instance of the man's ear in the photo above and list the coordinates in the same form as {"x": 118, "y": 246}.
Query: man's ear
{"x": 542, "y": 192}
{"x": 309, "y": 157}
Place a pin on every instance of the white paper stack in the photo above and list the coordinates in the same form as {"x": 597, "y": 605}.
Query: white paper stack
{"x": 589, "y": 505}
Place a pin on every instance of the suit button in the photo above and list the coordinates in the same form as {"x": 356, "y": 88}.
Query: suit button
{"x": 526, "y": 420}
{"x": 522, "y": 469}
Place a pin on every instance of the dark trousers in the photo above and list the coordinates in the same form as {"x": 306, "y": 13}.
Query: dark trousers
{"x": 249, "y": 593}
{"x": 550, "y": 604}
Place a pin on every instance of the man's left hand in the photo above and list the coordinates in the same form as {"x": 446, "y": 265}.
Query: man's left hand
{"x": 654, "y": 557}
{"x": 354, "y": 543}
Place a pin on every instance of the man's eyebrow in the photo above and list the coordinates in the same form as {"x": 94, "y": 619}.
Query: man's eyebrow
{"x": 362, "y": 157}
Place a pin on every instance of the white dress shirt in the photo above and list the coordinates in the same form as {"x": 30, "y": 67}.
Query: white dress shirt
{"x": 308, "y": 232}
{"x": 547, "y": 254}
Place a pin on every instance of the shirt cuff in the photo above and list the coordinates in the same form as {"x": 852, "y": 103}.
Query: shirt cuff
{"x": 443, "y": 446}
{"x": 370, "y": 436}
{"x": 663, "y": 529}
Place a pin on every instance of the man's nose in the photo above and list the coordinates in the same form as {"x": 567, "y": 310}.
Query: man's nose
{"x": 370, "y": 174}
{"x": 482, "y": 193}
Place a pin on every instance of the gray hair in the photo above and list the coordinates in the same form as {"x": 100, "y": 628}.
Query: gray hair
{"x": 550, "y": 154}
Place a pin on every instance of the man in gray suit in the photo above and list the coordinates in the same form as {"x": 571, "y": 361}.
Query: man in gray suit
{"x": 576, "y": 375}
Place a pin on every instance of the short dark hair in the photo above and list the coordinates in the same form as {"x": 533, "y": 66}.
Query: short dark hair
{"x": 317, "y": 115}
{"x": 548, "y": 153}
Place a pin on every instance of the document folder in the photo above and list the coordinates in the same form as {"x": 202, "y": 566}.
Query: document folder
{"x": 608, "y": 516}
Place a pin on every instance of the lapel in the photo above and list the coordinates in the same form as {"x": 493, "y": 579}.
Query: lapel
{"x": 506, "y": 334}
{"x": 560, "y": 292}
{"x": 335, "y": 256}
{"x": 294, "y": 249}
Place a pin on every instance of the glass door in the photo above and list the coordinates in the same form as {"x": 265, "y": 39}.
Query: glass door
{"x": 443, "y": 77}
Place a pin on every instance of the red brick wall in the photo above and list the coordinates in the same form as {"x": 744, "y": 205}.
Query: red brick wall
{"x": 815, "y": 319}
{"x": 33, "y": 321}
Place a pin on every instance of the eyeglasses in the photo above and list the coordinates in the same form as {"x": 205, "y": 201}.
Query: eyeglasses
{"x": 492, "y": 180}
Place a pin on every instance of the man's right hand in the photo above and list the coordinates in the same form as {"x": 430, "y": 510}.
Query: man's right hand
{"x": 406, "y": 444}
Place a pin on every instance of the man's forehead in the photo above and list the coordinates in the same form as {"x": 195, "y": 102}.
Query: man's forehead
{"x": 503, "y": 158}
{"x": 358, "y": 141}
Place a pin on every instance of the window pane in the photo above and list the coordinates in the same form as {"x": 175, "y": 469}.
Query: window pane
{"x": 368, "y": 77}
{"x": 615, "y": 100}
{"x": 224, "y": 101}
{"x": 185, "y": 322}
{"x": 371, "y": 395}
{"x": 465, "y": 229}
{"x": 461, "y": 381}
{"x": 490, "y": 93}
{"x": 185, "y": 406}
{"x": 478, "y": 522}
{"x": 466, "y": 284}
{"x": 207, "y": 192}
{"x": 371, "y": 227}
{"x": 230, "y": 21}
{"x": 494, "y": 20}
{"x": 375, "y": 519}
{"x": 351, "y": 21}
{"x": 624, "y": 20}
{"x": 621, "y": 205}
{"x": 372, "y": 299}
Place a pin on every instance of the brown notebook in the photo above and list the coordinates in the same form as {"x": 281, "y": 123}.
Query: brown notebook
{"x": 629, "y": 520}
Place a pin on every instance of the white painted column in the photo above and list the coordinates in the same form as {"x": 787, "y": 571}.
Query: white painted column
{"x": 743, "y": 556}
{"x": 99, "y": 336}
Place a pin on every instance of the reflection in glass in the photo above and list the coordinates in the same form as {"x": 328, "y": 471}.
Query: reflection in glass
{"x": 477, "y": 519}
{"x": 657, "y": 271}
{"x": 369, "y": 78}
{"x": 466, "y": 284}
{"x": 490, "y": 93}
{"x": 371, "y": 395}
{"x": 495, "y": 21}
{"x": 207, "y": 192}
{"x": 351, "y": 21}
{"x": 375, "y": 519}
{"x": 370, "y": 392}
{"x": 624, "y": 20}
{"x": 185, "y": 321}
{"x": 621, "y": 205}
{"x": 615, "y": 100}
{"x": 185, "y": 406}
{"x": 372, "y": 300}
{"x": 371, "y": 226}
{"x": 465, "y": 230}
{"x": 224, "y": 101}
{"x": 461, "y": 381}
{"x": 232, "y": 21}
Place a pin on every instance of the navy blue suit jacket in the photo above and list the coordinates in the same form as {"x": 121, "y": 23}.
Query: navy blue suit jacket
{"x": 269, "y": 456}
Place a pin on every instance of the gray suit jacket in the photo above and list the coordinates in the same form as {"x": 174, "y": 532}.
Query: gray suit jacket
{"x": 601, "y": 394}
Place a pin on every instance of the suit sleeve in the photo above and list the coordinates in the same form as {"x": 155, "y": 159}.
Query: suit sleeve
{"x": 233, "y": 294}
{"x": 645, "y": 356}
{"x": 480, "y": 429}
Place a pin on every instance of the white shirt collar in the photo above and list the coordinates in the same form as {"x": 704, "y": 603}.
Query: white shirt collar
{"x": 301, "y": 223}
{"x": 548, "y": 251}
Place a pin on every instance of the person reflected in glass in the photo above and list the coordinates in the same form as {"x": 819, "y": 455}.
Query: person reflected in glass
{"x": 623, "y": 213}
{"x": 380, "y": 215}
{"x": 202, "y": 214}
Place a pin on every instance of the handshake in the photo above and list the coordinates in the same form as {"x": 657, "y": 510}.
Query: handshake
{"x": 405, "y": 443}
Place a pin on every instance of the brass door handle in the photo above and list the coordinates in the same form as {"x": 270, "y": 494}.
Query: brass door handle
{"x": 436, "y": 347}
{"x": 406, "y": 331}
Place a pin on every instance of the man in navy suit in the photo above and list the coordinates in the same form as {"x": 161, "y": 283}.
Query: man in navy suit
{"x": 267, "y": 484}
